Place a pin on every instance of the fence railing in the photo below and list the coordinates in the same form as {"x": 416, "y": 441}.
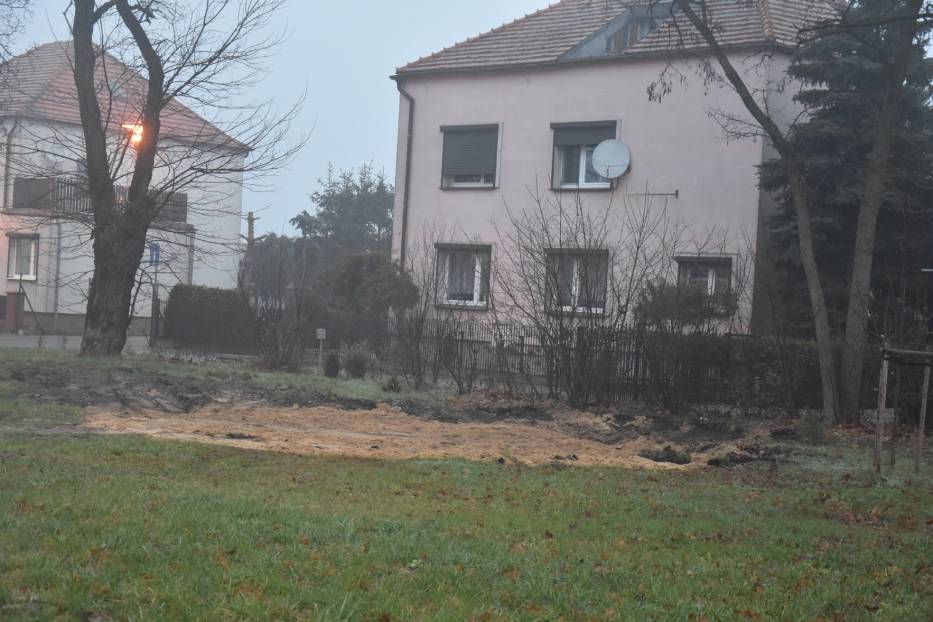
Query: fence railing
{"x": 585, "y": 364}
{"x": 69, "y": 196}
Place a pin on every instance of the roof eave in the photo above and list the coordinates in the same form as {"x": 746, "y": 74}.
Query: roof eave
{"x": 403, "y": 73}
{"x": 232, "y": 145}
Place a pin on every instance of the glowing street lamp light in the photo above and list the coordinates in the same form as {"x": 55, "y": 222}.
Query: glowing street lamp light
{"x": 135, "y": 133}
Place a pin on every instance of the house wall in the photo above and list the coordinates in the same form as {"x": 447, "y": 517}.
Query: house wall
{"x": 675, "y": 146}
{"x": 207, "y": 255}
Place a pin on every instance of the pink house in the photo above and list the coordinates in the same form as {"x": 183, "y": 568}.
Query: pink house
{"x": 508, "y": 121}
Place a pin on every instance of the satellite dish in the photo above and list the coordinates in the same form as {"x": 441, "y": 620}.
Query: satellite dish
{"x": 612, "y": 159}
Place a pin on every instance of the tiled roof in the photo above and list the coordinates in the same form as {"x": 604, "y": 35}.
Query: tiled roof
{"x": 40, "y": 85}
{"x": 545, "y": 36}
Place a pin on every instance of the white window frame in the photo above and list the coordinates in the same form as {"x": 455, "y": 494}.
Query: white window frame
{"x": 575, "y": 282}
{"x": 12, "y": 259}
{"x": 488, "y": 181}
{"x": 479, "y": 254}
{"x": 581, "y": 172}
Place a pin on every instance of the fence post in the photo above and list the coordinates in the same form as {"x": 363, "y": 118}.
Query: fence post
{"x": 882, "y": 399}
{"x": 521, "y": 354}
{"x": 922, "y": 423}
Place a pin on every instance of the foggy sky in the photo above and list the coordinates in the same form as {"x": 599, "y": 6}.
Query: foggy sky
{"x": 343, "y": 53}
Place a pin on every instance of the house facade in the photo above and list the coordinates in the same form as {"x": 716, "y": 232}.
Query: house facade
{"x": 498, "y": 133}
{"x": 46, "y": 254}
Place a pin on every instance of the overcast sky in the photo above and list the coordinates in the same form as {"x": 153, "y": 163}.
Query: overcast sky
{"x": 344, "y": 53}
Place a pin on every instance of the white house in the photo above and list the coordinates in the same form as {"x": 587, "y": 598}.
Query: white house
{"x": 45, "y": 248}
{"x": 512, "y": 116}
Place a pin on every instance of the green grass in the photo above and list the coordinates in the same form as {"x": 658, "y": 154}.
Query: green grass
{"x": 222, "y": 374}
{"x": 122, "y": 528}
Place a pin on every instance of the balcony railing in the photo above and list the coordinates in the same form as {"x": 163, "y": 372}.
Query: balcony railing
{"x": 69, "y": 196}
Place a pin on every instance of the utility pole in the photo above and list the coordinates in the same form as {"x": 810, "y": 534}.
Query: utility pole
{"x": 250, "y": 230}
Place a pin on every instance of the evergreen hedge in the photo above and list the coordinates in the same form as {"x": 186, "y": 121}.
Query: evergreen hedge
{"x": 208, "y": 317}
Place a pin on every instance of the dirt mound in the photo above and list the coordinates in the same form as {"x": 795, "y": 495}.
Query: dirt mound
{"x": 382, "y": 432}
{"x": 233, "y": 407}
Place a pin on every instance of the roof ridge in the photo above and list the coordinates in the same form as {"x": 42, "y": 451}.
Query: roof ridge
{"x": 498, "y": 28}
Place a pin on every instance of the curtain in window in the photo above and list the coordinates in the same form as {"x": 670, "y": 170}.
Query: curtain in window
{"x": 565, "y": 269}
{"x": 592, "y": 278}
{"x": 461, "y": 275}
{"x": 23, "y": 259}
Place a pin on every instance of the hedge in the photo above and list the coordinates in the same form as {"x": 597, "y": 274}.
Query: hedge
{"x": 208, "y": 317}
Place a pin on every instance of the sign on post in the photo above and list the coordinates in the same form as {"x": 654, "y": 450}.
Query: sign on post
{"x": 321, "y": 337}
{"x": 155, "y": 253}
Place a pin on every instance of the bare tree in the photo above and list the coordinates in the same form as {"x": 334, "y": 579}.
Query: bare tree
{"x": 693, "y": 23}
{"x": 276, "y": 282}
{"x": 204, "y": 53}
{"x": 576, "y": 274}
{"x": 12, "y": 14}
{"x": 410, "y": 327}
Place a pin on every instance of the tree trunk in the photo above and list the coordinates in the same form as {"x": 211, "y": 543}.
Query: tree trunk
{"x": 876, "y": 173}
{"x": 828, "y": 371}
{"x": 117, "y": 254}
{"x": 829, "y": 378}
{"x": 119, "y": 234}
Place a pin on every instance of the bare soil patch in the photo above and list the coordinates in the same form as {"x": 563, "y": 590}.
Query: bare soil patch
{"x": 387, "y": 432}
{"x": 236, "y": 407}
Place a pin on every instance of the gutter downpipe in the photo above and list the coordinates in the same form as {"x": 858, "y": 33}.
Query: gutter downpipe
{"x": 58, "y": 272}
{"x": 7, "y": 164}
{"x": 405, "y": 192}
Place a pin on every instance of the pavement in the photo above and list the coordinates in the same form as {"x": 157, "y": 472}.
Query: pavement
{"x": 65, "y": 342}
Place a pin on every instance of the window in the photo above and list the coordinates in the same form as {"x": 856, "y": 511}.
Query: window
{"x": 464, "y": 275}
{"x": 470, "y": 156}
{"x": 23, "y": 257}
{"x": 712, "y": 275}
{"x": 574, "y": 144}
{"x": 579, "y": 277}
{"x": 636, "y": 29}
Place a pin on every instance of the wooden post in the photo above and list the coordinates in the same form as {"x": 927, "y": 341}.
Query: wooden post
{"x": 922, "y": 423}
{"x": 882, "y": 399}
{"x": 521, "y": 354}
{"x": 892, "y": 450}
{"x": 250, "y": 230}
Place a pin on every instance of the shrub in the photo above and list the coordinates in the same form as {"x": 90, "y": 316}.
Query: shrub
{"x": 208, "y": 317}
{"x": 811, "y": 428}
{"x": 332, "y": 365}
{"x": 356, "y": 364}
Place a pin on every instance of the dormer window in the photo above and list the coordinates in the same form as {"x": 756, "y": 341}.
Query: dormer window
{"x": 636, "y": 29}
{"x": 621, "y": 33}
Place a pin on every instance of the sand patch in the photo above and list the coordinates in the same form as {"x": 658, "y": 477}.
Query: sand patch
{"x": 384, "y": 432}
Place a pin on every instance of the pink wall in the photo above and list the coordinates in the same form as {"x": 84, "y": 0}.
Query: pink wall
{"x": 675, "y": 145}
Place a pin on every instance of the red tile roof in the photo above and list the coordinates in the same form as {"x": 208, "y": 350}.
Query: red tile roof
{"x": 40, "y": 85}
{"x": 545, "y": 36}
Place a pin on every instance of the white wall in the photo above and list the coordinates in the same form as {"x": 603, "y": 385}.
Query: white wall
{"x": 65, "y": 252}
{"x": 675, "y": 146}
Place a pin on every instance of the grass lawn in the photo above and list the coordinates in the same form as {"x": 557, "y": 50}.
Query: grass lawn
{"x": 95, "y": 528}
{"x": 125, "y": 528}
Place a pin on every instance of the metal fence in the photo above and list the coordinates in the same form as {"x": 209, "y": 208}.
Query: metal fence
{"x": 593, "y": 363}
